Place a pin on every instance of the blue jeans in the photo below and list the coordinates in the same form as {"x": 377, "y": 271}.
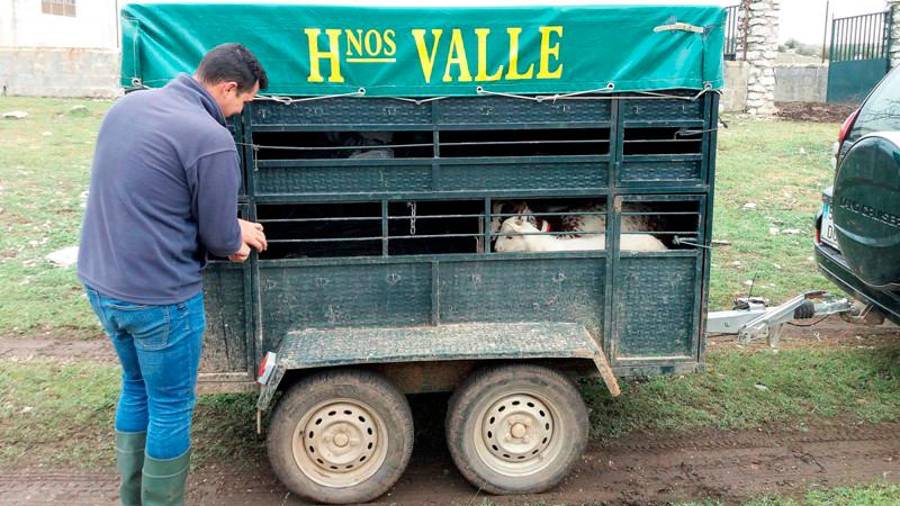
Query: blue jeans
{"x": 159, "y": 348}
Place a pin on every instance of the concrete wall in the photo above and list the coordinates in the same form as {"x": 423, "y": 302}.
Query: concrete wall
{"x": 801, "y": 83}
{"x": 734, "y": 96}
{"x": 59, "y": 72}
{"x": 793, "y": 83}
{"x": 95, "y": 25}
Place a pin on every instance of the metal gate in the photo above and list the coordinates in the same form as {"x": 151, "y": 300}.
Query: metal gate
{"x": 859, "y": 55}
{"x": 736, "y": 32}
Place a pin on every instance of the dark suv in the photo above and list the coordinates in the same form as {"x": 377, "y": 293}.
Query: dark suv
{"x": 858, "y": 229}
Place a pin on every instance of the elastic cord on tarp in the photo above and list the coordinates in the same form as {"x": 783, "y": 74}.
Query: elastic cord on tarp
{"x": 592, "y": 94}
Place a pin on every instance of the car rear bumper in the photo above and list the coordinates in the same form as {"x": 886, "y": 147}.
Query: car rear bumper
{"x": 835, "y": 268}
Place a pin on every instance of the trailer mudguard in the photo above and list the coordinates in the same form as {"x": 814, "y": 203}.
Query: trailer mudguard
{"x": 333, "y": 347}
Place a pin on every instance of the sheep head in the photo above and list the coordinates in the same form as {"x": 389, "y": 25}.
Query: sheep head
{"x": 510, "y": 241}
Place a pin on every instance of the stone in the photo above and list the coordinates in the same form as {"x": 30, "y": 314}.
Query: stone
{"x": 64, "y": 258}
{"x": 15, "y": 115}
{"x": 761, "y": 55}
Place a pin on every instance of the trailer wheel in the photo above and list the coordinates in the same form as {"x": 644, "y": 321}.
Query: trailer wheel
{"x": 341, "y": 437}
{"x": 516, "y": 429}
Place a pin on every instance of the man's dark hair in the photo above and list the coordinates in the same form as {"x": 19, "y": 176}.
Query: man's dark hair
{"x": 232, "y": 62}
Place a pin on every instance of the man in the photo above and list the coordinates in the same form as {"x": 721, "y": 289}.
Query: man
{"x": 163, "y": 195}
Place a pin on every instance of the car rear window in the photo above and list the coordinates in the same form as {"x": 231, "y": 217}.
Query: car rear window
{"x": 882, "y": 109}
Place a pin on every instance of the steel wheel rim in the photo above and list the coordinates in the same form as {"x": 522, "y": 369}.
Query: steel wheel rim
{"x": 340, "y": 443}
{"x": 518, "y": 435}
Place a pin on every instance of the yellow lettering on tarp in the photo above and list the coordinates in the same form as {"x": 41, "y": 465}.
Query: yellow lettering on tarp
{"x": 373, "y": 42}
{"x": 354, "y": 41}
{"x": 512, "y": 72}
{"x": 369, "y": 45}
{"x": 426, "y": 58}
{"x": 482, "y": 34}
{"x": 390, "y": 47}
{"x": 457, "y": 56}
{"x": 332, "y": 54}
{"x": 548, "y": 50}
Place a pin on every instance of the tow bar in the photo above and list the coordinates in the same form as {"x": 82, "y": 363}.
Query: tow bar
{"x": 751, "y": 319}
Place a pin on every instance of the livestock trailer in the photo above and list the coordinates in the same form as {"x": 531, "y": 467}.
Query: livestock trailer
{"x": 384, "y": 161}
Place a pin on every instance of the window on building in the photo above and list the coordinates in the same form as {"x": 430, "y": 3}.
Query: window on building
{"x": 58, "y": 7}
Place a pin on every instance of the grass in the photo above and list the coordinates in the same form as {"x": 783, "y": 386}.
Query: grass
{"x": 779, "y": 166}
{"x": 43, "y": 404}
{"x": 743, "y": 390}
{"x": 44, "y": 168}
{"x": 57, "y": 415}
{"x": 874, "y": 494}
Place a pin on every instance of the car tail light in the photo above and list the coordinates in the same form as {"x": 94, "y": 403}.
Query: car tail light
{"x": 846, "y": 126}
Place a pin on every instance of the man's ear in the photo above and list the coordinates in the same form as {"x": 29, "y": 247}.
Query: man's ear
{"x": 229, "y": 87}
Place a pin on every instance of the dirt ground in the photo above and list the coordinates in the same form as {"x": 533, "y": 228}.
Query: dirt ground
{"x": 638, "y": 469}
{"x": 814, "y": 111}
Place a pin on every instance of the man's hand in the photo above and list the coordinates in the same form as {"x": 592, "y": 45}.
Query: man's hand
{"x": 252, "y": 235}
{"x": 241, "y": 255}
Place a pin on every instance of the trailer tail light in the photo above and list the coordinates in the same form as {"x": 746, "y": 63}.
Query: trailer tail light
{"x": 266, "y": 367}
{"x": 846, "y": 126}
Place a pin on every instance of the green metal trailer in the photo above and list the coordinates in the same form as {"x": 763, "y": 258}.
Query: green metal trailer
{"x": 384, "y": 192}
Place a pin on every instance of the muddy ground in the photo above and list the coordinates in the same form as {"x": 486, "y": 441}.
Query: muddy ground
{"x": 635, "y": 469}
{"x": 815, "y": 111}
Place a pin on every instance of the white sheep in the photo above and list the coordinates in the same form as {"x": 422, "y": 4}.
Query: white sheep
{"x": 594, "y": 219}
{"x": 589, "y": 218}
{"x": 640, "y": 242}
{"x": 510, "y": 242}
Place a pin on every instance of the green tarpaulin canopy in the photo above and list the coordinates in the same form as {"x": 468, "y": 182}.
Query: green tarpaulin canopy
{"x": 417, "y": 52}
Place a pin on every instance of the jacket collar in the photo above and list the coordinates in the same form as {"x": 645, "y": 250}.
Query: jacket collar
{"x": 188, "y": 87}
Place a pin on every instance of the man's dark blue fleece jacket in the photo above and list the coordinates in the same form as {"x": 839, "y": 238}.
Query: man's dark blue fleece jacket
{"x": 163, "y": 193}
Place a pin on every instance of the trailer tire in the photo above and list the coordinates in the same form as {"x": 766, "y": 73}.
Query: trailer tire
{"x": 341, "y": 437}
{"x": 516, "y": 429}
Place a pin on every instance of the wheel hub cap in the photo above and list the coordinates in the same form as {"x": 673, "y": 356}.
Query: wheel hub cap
{"x": 340, "y": 437}
{"x": 517, "y": 428}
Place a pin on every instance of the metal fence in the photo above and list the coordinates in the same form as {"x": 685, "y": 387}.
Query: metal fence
{"x": 863, "y": 37}
{"x": 735, "y": 31}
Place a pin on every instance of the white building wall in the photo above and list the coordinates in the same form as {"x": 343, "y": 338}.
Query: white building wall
{"x": 23, "y": 24}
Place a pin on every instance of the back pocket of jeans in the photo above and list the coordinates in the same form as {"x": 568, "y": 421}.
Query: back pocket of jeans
{"x": 149, "y": 326}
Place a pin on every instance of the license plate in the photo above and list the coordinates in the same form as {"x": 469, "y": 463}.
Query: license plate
{"x": 828, "y": 235}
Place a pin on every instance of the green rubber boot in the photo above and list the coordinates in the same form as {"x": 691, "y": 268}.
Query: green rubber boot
{"x": 164, "y": 480}
{"x": 129, "y": 461}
